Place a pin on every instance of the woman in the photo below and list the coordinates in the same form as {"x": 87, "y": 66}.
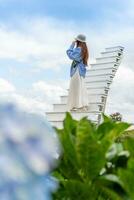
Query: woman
{"x": 78, "y": 97}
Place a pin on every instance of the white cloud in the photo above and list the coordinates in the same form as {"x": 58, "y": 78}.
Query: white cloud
{"x": 9, "y": 93}
{"x": 38, "y": 99}
{"x": 121, "y": 96}
{"x": 39, "y": 42}
{"x": 6, "y": 86}
{"x": 28, "y": 103}
{"x": 43, "y": 41}
{"x": 51, "y": 91}
{"x": 17, "y": 46}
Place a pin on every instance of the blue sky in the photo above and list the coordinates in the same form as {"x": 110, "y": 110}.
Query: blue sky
{"x": 64, "y": 9}
{"x": 92, "y": 11}
{"x": 34, "y": 36}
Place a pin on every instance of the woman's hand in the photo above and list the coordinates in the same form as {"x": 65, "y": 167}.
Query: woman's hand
{"x": 74, "y": 42}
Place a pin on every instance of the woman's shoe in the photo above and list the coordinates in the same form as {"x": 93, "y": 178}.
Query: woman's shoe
{"x": 84, "y": 108}
{"x": 74, "y": 109}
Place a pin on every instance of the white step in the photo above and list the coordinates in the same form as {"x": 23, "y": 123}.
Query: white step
{"x": 98, "y": 78}
{"x": 115, "y": 48}
{"x": 57, "y": 124}
{"x": 92, "y": 98}
{"x": 108, "y": 59}
{"x": 92, "y": 107}
{"x": 97, "y": 90}
{"x": 105, "y": 66}
{"x": 100, "y": 71}
{"x": 97, "y": 83}
{"x": 109, "y": 75}
{"x": 102, "y": 65}
{"x": 112, "y": 53}
{"x": 59, "y": 116}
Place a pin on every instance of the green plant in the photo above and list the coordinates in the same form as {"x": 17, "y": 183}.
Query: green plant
{"x": 116, "y": 117}
{"x": 93, "y": 165}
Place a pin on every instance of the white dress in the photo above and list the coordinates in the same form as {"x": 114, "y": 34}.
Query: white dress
{"x": 78, "y": 95}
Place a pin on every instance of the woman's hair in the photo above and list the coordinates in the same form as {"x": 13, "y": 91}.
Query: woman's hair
{"x": 85, "y": 53}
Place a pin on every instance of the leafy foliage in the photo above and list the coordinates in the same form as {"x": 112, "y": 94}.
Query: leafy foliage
{"x": 93, "y": 165}
{"x": 116, "y": 116}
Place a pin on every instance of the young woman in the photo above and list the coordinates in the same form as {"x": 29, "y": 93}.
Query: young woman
{"x": 78, "y": 96}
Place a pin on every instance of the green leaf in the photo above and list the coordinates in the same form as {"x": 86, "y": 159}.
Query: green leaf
{"x": 69, "y": 123}
{"x": 112, "y": 178}
{"x": 69, "y": 153}
{"x": 129, "y": 145}
{"x": 77, "y": 190}
{"x": 91, "y": 153}
{"x": 109, "y": 194}
{"x": 111, "y": 129}
{"x": 114, "y": 150}
{"x": 85, "y": 147}
{"x": 127, "y": 178}
{"x": 69, "y": 163}
{"x": 119, "y": 128}
{"x": 106, "y": 118}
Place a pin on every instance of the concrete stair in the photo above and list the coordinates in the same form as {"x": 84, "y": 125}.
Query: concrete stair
{"x": 98, "y": 79}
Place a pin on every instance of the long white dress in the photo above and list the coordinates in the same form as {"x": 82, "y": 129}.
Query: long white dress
{"x": 78, "y": 95}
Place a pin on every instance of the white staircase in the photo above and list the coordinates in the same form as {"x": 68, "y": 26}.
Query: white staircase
{"x": 98, "y": 80}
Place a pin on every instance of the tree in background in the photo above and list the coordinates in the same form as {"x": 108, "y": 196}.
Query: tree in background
{"x": 116, "y": 117}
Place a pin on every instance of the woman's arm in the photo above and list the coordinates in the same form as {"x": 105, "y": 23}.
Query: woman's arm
{"x": 74, "y": 53}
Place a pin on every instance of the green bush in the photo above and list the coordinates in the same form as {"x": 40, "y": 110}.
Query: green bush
{"x": 93, "y": 165}
{"x": 116, "y": 117}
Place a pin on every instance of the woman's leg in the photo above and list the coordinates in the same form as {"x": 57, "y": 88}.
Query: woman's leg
{"x": 84, "y": 93}
{"x": 78, "y": 97}
{"x": 74, "y": 99}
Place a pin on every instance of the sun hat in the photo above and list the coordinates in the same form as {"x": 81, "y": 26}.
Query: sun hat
{"x": 81, "y": 38}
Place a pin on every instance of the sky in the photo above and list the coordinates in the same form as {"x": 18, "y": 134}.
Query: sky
{"x": 34, "y": 37}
